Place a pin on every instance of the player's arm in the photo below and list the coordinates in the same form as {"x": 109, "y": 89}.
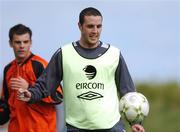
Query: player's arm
{"x": 123, "y": 78}
{"x": 48, "y": 81}
{"x": 4, "y": 107}
{"x": 125, "y": 84}
{"x": 5, "y": 93}
{"x": 38, "y": 67}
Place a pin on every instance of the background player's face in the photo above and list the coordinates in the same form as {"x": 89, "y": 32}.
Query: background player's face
{"x": 90, "y": 31}
{"x": 21, "y": 45}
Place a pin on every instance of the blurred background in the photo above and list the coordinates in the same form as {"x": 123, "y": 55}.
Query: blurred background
{"x": 146, "y": 31}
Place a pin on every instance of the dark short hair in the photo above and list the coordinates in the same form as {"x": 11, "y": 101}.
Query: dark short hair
{"x": 19, "y": 29}
{"x": 90, "y": 11}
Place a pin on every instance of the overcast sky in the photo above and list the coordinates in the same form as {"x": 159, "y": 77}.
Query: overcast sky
{"x": 146, "y": 31}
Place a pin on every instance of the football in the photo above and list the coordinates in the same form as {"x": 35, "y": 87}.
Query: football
{"x": 134, "y": 106}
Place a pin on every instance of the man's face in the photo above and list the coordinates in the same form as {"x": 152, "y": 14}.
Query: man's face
{"x": 90, "y": 31}
{"x": 21, "y": 45}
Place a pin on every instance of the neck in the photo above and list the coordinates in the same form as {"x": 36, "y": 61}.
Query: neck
{"x": 88, "y": 45}
{"x": 22, "y": 60}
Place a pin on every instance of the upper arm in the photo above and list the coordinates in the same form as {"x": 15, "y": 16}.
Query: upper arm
{"x": 38, "y": 68}
{"x": 123, "y": 79}
{"x": 5, "y": 93}
{"x": 49, "y": 81}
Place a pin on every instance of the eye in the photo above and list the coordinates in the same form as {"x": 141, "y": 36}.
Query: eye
{"x": 90, "y": 26}
{"x": 17, "y": 42}
{"x": 99, "y": 26}
{"x": 27, "y": 41}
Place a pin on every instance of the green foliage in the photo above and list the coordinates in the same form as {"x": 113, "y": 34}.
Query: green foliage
{"x": 164, "y": 100}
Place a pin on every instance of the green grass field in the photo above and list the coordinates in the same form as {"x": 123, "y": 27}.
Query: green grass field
{"x": 164, "y": 100}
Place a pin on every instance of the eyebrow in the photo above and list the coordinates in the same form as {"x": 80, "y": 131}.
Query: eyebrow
{"x": 92, "y": 25}
{"x": 18, "y": 41}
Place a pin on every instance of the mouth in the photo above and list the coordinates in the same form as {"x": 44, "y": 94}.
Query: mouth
{"x": 93, "y": 37}
{"x": 21, "y": 51}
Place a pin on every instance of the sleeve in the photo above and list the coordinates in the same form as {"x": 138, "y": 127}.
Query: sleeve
{"x": 5, "y": 93}
{"x": 4, "y": 107}
{"x": 49, "y": 80}
{"x": 123, "y": 78}
{"x": 38, "y": 68}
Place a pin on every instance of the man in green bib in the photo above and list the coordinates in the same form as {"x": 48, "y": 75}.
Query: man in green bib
{"x": 94, "y": 76}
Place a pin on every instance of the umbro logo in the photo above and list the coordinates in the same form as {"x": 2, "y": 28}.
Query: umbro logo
{"x": 90, "y": 95}
{"x": 90, "y": 71}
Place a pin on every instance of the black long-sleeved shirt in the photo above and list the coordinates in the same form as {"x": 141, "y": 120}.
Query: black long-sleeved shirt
{"x": 53, "y": 74}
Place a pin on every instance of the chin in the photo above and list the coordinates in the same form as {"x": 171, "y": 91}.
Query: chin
{"x": 93, "y": 42}
{"x": 22, "y": 57}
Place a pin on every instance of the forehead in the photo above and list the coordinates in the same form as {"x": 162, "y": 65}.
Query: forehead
{"x": 25, "y": 36}
{"x": 92, "y": 20}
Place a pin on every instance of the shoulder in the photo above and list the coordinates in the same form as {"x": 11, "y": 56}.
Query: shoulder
{"x": 114, "y": 48}
{"x": 111, "y": 48}
{"x": 7, "y": 67}
{"x": 68, "y": 45}
{"x": 38, "y": 65}
{"x": 39, "y": 60}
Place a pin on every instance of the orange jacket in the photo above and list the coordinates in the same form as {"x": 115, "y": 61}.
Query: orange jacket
{"x": 25, "y": 117}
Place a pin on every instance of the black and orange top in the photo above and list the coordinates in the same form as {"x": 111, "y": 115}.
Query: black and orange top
{"x": 25, "y": 117}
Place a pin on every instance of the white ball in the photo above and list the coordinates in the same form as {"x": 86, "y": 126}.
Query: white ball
{"x": 134, "y": 106}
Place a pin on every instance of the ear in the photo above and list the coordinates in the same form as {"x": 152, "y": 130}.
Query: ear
{"x": 10, "y": 43}
{"x": 80, "y": 26}
{"x": 31, "y": 42}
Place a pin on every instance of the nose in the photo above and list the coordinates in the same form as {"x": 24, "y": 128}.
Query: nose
{"x": 21, "y": 44}
{"x": 95, "y": 29}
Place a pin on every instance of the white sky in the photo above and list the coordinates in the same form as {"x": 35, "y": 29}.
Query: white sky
{"x": 146, "y": 31}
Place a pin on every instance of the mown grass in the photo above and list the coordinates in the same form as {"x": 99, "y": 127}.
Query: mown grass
{"x": 164, "y": 100}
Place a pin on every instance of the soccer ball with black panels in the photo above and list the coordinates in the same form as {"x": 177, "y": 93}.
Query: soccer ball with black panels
{"x": 134, "y": 106}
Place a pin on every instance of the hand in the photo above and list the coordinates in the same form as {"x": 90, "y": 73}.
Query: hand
{"x": 137, "y": 128}
{"x": 19, "y": 82}
{"x": 23, "y": 95}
